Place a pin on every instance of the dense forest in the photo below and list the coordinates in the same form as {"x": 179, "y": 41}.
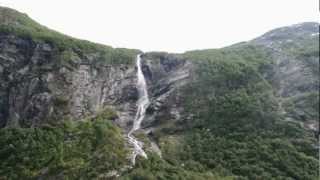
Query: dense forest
{"x": 245, "y": 114}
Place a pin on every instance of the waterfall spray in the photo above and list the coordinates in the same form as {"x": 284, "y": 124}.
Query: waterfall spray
{"x": 142, "y": 104}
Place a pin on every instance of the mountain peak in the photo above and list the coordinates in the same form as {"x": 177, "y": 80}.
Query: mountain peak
{"x": 288, "y": 34}
{"x": 300, "y": 29}
{"x": 10, "y": 16}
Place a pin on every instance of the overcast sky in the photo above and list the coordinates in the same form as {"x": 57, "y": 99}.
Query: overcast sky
{"x": 166, "y": 25}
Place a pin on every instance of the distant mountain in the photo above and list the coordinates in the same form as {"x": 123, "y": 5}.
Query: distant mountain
{"x": 248, "y": 111}
{"x": 296, "y": 52}
{"x": 288, "y": 34}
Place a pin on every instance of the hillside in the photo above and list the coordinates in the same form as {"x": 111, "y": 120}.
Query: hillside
{"x": 247, "y": 111}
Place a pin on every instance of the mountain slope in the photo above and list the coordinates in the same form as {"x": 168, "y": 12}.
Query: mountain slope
{"x": 232, "y": 123}
{"x": 296, "y": 51}
{"x": 247, "y": 111}
{"x": 47, "y": 75}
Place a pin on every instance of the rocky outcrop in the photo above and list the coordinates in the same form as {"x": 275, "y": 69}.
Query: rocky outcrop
{"x": 295, "y": 74}
{"x": 166, "y": 74}
{"x": 43, "y": 81}
{"x": 38, "y": 85}
{"x": 294, "y": 51}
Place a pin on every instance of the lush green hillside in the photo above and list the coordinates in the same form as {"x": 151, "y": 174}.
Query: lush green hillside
{"x": 236, "y": 128}
{"x": 232, "y": 125}
{"x": 14, "y": 22}
{"x": 86, "y": 149}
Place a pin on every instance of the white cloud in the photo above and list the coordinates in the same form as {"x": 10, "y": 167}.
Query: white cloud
{"x": 166, "y": 25}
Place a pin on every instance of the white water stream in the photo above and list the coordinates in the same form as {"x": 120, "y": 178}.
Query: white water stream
{"x": 143, "y": 103}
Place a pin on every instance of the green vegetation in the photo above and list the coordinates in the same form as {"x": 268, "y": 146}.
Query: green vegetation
{"x": 156, "y": 168}
{"x": 306, "y": 51}
{"x": 236, "y": 129}
{"x": 303, "y": 47}
{"x": 252, "y": 157}
{"x": 73, "y": 150}
{"x": 303, "y": 107}
{"x": 230, "y": 89}
{"x": 14, "y": 22}
{"x": 231, "y": 128}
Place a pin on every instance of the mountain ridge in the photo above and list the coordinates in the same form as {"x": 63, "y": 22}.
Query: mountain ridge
{"x": 247, "y": 111}
{"x": 9, "y": 16}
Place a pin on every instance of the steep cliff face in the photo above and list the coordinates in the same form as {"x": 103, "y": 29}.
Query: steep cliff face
{"x": 166, "y": 75}
{"x": 39, "y": 85}
{"x": 227, "y": 111}
{"x": 47, "y": 77}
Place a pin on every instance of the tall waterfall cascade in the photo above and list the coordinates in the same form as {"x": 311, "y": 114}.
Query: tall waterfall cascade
{"x": 142, "y": 104}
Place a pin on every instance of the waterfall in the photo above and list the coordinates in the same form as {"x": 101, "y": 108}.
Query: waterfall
{"x": 142, "y": 104}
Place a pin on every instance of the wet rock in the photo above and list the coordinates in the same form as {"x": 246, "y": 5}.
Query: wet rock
{"x": 165, "y": 75}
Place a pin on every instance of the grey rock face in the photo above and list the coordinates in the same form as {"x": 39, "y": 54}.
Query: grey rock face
{"x": 93, "y": 88}
{"x": 38, "y": 86}
{"x": 166, "y": 74}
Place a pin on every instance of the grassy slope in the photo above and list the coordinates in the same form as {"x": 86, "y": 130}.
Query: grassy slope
{"x": 14, "y": 22}
{"x": 236, "y": 129}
